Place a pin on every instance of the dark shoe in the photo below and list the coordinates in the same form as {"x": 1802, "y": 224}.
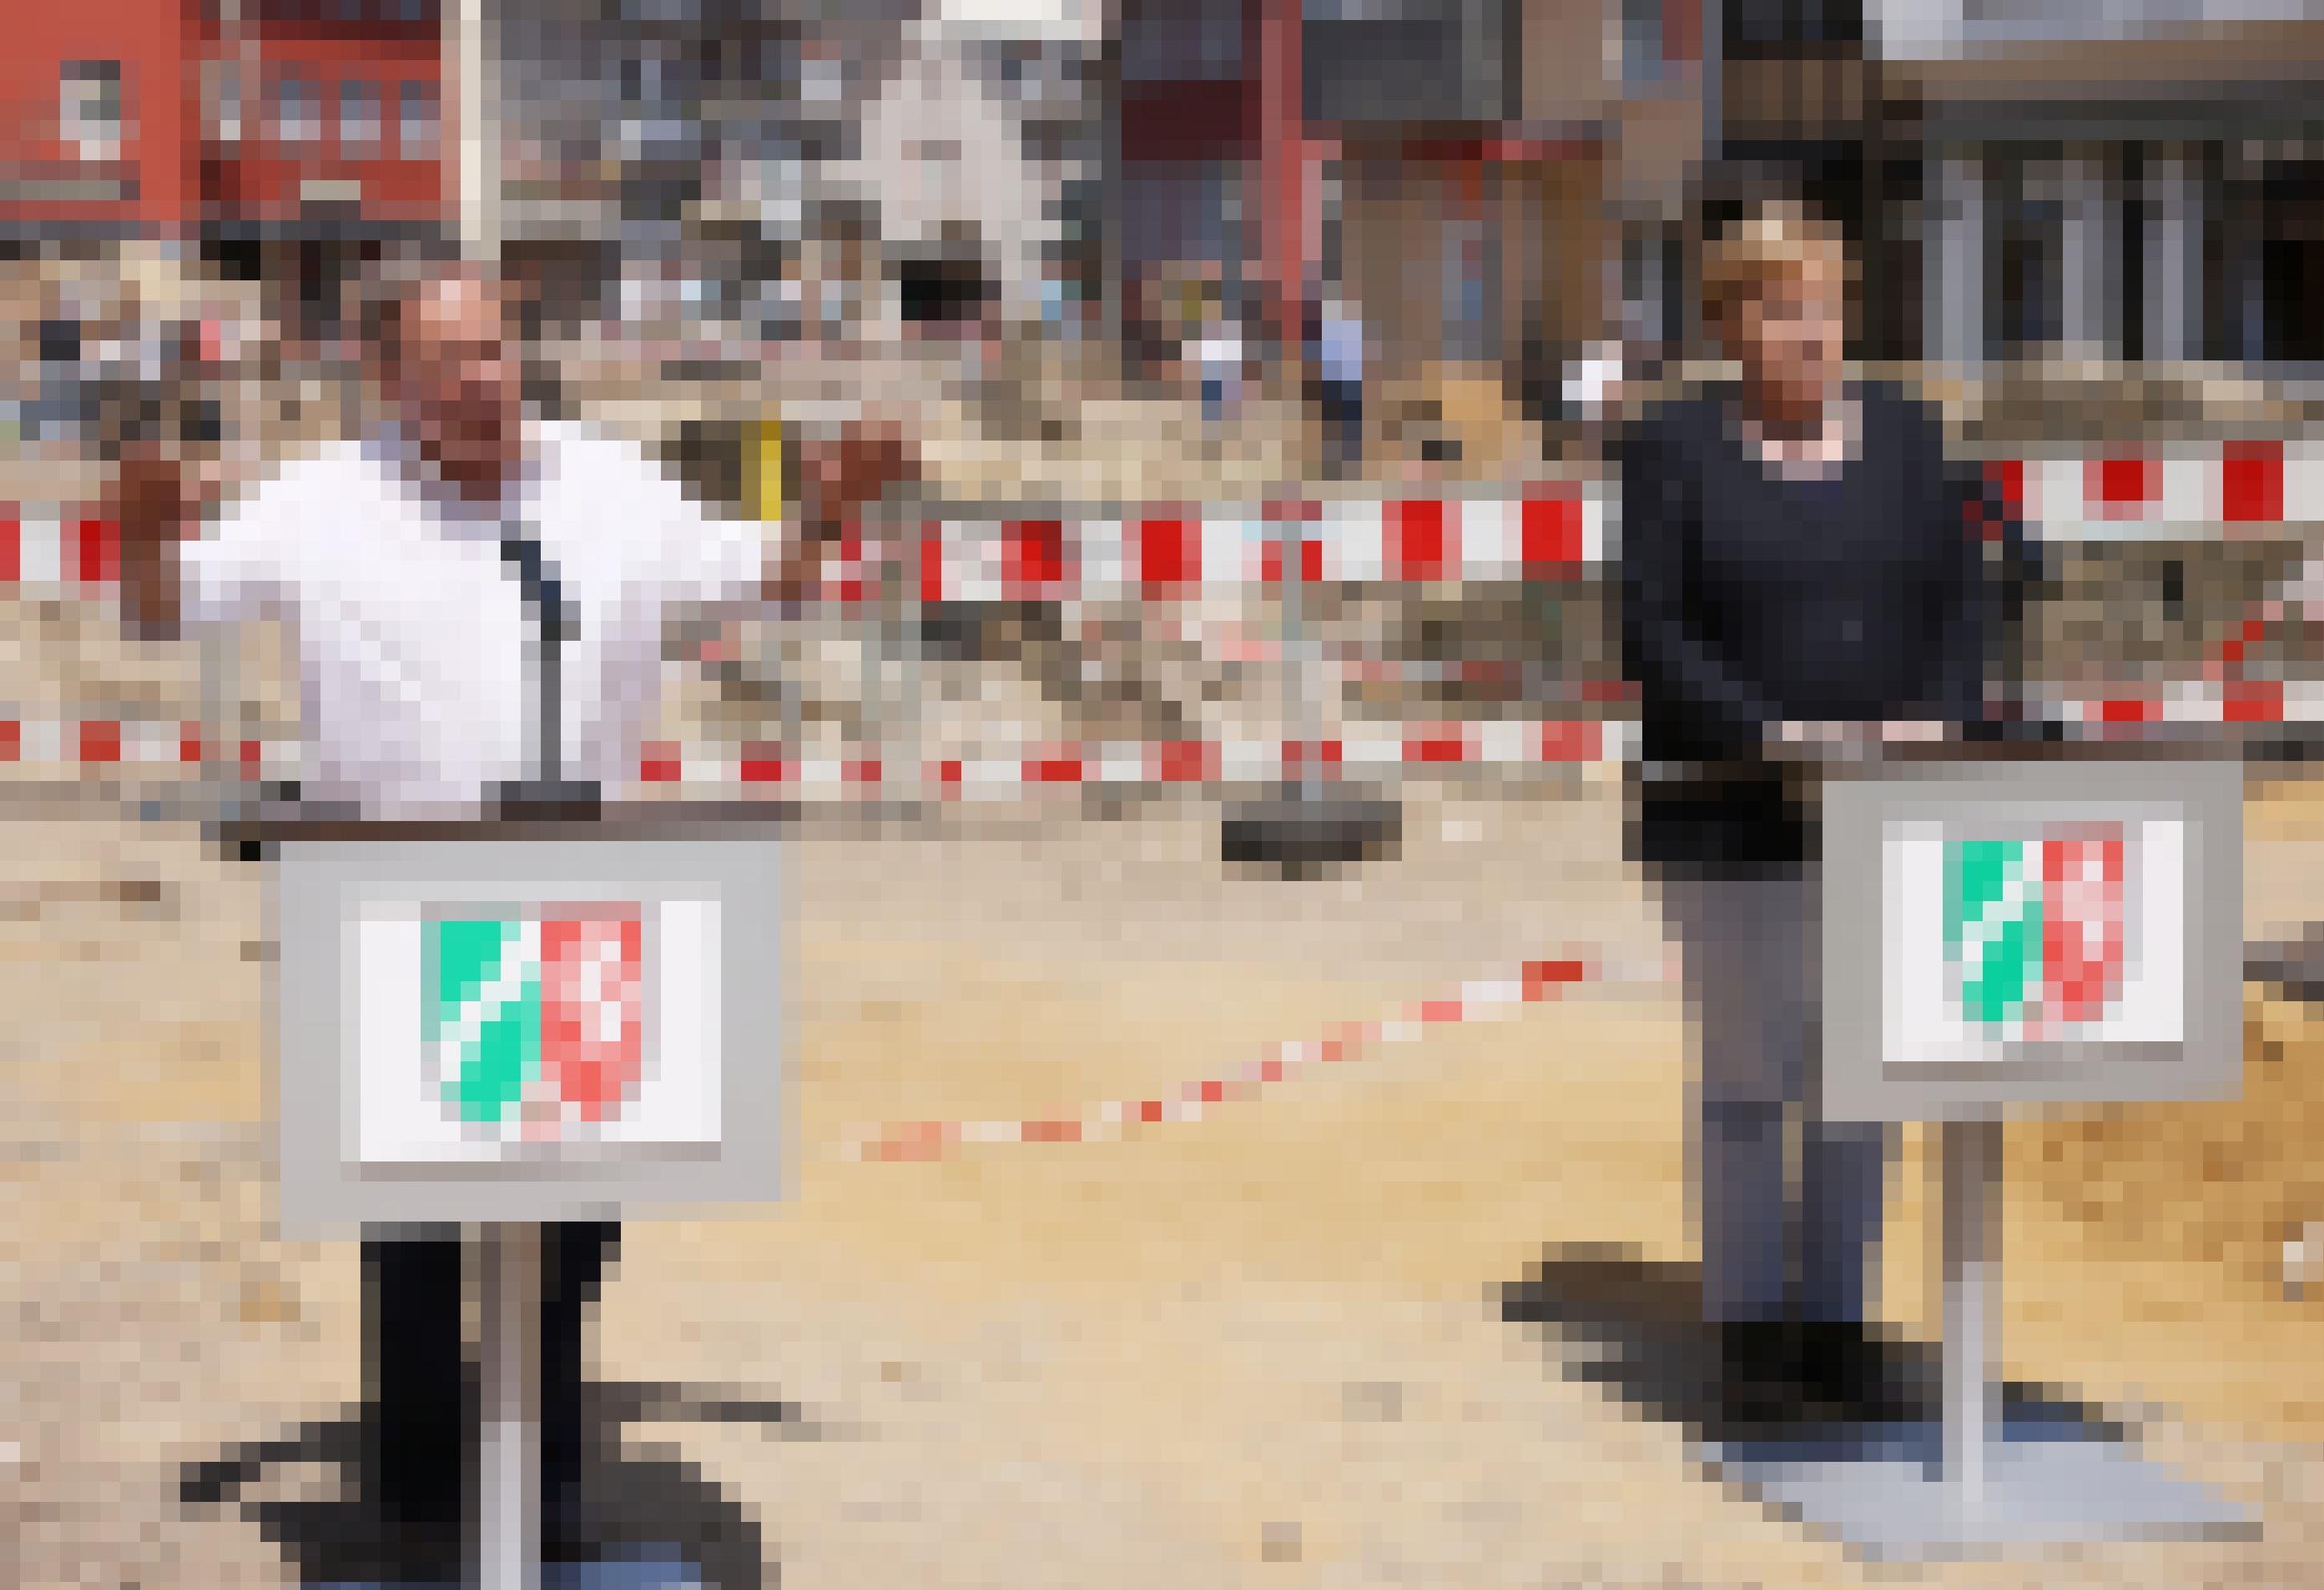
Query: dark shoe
{"x": 1759, "y": 1390}
{"x": 1760, "y": 1350}
{"x": 1848, "y": 1370}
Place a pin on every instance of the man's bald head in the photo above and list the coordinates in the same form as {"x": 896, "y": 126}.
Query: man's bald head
{"x": 424, "y": 301}
{"x": 444, "y": 346}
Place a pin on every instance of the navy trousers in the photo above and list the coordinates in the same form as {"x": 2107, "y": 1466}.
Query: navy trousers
{"x": 1776, "y": 1242}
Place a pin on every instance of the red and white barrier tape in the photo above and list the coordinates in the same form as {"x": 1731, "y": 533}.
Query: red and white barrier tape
{"x": 81, "y": 744}
{"x": 1533, "y": 983}
{"x": 76, "y": 749}
{"x": 1388, "y": 749}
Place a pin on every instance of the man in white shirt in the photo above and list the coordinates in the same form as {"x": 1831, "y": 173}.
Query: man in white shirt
{"x": 385, "y": 555}
{"x": 396, "y": 561}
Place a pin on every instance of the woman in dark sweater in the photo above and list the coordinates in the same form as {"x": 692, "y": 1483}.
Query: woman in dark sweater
{"x": 1801, "y": 563}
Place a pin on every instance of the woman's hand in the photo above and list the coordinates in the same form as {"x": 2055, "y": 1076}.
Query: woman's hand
{"x": 1825, "y": 742}
{"x": 1915, "y": 731}
{"x": 1815, "y": 734}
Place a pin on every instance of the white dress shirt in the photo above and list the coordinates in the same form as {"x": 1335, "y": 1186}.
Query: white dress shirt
{"x": 412, "y": 633}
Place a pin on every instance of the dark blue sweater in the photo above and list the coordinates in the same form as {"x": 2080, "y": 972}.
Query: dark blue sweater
{"x": 1748, "y": 599}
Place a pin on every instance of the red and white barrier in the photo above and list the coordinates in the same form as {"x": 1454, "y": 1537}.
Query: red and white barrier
{"x": 1539, "y": 533}
{"x": 80, "y": 747}
{"x": 2232, "y": 489}
{"x": 1547, "y": 531}
{"x": 67, "y": 551}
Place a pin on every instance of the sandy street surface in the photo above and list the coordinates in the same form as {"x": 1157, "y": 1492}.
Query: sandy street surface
{"x": 1265, "y": 1348}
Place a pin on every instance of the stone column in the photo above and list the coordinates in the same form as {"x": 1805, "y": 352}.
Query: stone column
{"x": 2090, "y": 266}
{"x": 475, "y": 125}
{"x": 2174, "y": 255}
{"x": 2242, "y": 228}
{"x": 1953, "y": 231}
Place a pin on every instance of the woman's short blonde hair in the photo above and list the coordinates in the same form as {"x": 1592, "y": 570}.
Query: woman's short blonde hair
{"x": 1776, "y": 238}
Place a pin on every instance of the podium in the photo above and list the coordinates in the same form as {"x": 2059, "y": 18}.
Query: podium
{"x": 2008, "y": 928}
{"x": 501, "y": 1023}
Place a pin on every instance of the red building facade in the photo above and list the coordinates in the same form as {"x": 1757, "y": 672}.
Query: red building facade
{"x": 100, "y": 126}
{"x": 191, "y": 117}
{"x": 318, "y": 111}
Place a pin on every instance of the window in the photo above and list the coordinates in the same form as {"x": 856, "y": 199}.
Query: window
{"x": 823, "y": 80}
{"x": 1182, "y": 41}
{"x": 415, "y": 112}
{"x": 89, "y": 118}
{"x": 343, "y": 13}
{"x": 297, "y": 111}
{"x": 358, "y": 118}
{"x": 1784, "y": 25}
{"x": 1642, "y": 42}
{"x": 1467, "y": 286}
{"x": 224, "y": 79}
{"x": 942, "y": 292}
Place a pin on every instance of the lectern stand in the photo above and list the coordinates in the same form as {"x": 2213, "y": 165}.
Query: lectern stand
{"x": 2008, "y": 928}
{"x": 509, "y": 1500}
{"x": 572, "y": 1015}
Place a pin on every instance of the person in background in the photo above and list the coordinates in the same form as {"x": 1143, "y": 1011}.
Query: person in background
{"x": 1801, "y": 564}
{"x": 1156, "y": 349}
{"x": 1593, "y": 388}
{"x": 387, "y": 555}
{"x": 1219, "y": 352}
{"x": 1338, "y": 353}
{"x": 57, "y": 411}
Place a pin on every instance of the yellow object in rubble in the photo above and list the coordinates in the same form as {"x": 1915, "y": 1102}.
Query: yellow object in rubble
{"x": 767, "y": 471}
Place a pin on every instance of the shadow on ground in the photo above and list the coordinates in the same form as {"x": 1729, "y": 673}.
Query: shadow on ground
{"x": 1635, "y": 1328}
{"x": 640, "y": 1508}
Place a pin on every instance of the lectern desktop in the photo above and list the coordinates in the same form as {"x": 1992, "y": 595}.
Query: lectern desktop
{"x": 502, "y": 1022}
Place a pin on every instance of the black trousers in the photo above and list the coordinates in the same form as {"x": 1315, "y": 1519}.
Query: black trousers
{"x": 1342, "y": 406}
{"x": 417, "y": 1351}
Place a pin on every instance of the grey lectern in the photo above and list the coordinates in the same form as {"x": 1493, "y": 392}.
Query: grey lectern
{"x": 2009, "y": 927}
{"x": 502, "y": 1022}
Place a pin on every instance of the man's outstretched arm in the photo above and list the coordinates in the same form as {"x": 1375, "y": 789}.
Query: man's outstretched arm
{"x": 157, "y": 502}
{"x": 838, "y": 480}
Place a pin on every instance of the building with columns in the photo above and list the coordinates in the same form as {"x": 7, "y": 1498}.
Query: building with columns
{"x": 2108, "y": 185}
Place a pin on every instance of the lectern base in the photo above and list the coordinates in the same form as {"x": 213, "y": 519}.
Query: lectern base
{"x": 2048, "y": 1482}
{"x": 638, "y": 1571}
{"x": 1306, "y": 828}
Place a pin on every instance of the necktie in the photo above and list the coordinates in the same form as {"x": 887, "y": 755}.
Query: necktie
{"x": 552, "y": 624}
